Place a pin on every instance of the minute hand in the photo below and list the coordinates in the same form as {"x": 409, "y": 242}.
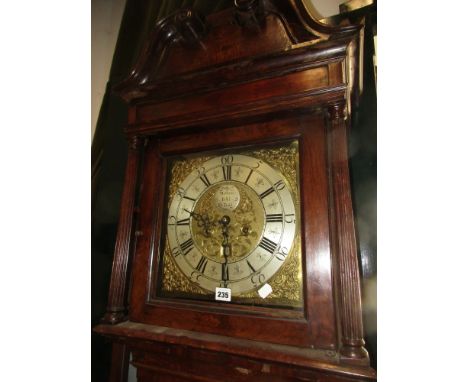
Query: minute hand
{"x": 225, "y": 230}
{"x": 226, "y": 247}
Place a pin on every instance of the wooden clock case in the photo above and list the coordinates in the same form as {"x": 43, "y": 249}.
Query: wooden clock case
{"x": 259, "y": 73}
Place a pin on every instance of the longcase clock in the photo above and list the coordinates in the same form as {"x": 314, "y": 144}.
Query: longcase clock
{"x": 236, "y": 253}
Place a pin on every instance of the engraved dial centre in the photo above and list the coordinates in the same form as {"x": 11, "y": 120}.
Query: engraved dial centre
{"x": 247, "y": 219}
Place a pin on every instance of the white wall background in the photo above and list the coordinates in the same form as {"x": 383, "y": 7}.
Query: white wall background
{"x": 106, "y": 17}
{"x": 324, "y": 8}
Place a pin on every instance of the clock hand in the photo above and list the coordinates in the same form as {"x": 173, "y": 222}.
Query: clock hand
{"x": 225, "y": 220}
{"x": 202, "y": 221}
{"x": 196, "y": 216}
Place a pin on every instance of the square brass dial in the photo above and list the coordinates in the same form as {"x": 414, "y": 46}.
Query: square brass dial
{"x": 256, "y": 192}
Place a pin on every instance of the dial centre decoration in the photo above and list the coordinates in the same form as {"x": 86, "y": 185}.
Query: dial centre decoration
{"x": 227, "y": 197}
{"x": 231, "y": 223}
{"x": 246, "y": 215}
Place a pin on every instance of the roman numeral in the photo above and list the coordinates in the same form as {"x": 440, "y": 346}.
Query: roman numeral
{"x": 268, "y": 245}
{"x": 227, "y": 172}
{"x": 183, "y": 221}
{"x": 205, "y": 180}
{"x": 274, "y": 218}
{"x": 186, "y": 197}
{"x": 250, "y": 266}
{"x": 187, "y": 246}
{"x": 202, "y": 264}
{"x": 248, "y": 176}
{"x": 266, "y": 193}
{"x": 225, "y": 272}
{"x": 289, "y": 218}
{"x": 279, "y": 185}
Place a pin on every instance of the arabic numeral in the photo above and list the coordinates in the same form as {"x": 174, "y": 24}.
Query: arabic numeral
{"x": 180, "y": 192}
{"x": 227, "y": 159}
{"x": 289, "y": 218}
{"x": 257, "y": 278}
{"x": 281, "y": 254}
{"x": 279, "y": 185}
{"x": 259, "y": 163}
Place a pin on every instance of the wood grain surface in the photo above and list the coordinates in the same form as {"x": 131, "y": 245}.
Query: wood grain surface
{"x": 259, "y": 73}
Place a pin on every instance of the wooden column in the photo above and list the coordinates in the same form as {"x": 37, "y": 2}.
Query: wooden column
{"x": 117, "y": 301}
{"x": 352, "y": 342}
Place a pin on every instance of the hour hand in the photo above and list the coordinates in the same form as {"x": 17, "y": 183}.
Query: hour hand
{"x": 196, "y": 216}
{"x": 202, "y": 221}
{"x": 226, "y": 246}
{"x": 226, "y": 250}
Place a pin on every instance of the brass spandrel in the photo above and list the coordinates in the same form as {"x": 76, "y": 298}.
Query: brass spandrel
{"x": 173, "y": 278}
{"x": 181, "y": 168}
{"x": 285, "y": 159}
{"x": 286, "y": 283}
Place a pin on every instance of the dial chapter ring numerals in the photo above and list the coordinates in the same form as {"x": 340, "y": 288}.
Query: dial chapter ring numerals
{"x": 278, "y": 232}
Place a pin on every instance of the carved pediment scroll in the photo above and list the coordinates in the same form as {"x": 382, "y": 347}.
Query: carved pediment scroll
{"x": 187, "y": 41}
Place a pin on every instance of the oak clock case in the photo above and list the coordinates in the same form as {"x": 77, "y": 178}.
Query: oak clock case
{"x": 237, "y": 179}
{"x": 233, "y": 221}
{"x": 185, "y": 238}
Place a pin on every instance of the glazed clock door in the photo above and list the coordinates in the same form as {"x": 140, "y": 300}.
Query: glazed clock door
{"x": 232, "y": 218}
{"x": 231, "y": 224}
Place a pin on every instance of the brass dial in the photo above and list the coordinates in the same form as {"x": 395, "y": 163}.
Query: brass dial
{"x": 232, "y": 223}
